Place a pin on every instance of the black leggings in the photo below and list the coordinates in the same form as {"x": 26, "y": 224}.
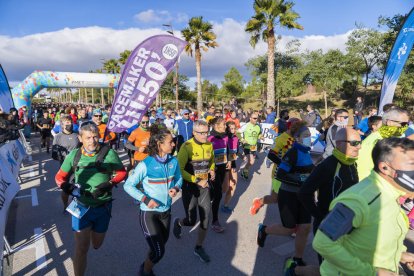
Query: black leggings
{"x": 216, "y": 191}
{"x": 194, "y": 196}
{"x": 156, "y": 229}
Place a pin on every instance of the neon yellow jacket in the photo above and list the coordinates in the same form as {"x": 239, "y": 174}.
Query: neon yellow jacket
{"x": 364, "y": 162}
{"x": 377, "y": 239}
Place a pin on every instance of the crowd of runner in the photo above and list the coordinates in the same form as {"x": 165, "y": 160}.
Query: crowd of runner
{"x": 358, "y": 193}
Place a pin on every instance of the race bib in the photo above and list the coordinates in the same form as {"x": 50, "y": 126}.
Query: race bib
{"x": 220, "y": 159}
{"x": 253, "y": 148}
{"x": 46, "y": 126}
{"x": 203, "y": 175}
{"x": 76, "y": 210}
{"x": 232, "y": 156}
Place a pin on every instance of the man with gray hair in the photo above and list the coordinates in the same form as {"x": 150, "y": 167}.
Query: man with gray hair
{"x": 96, "y": 170}
{"x": 394, "y": 124}
{"x": 196, "y": 159}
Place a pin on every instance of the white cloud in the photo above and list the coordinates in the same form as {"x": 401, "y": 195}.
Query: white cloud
{"x": 160, "y": 16}
{"x": 81, "y": 49}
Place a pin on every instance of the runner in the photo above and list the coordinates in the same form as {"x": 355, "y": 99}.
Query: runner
{"x": 295, "y": 167}
{"x": 45, "y": 125}
{"x": 219, "y": 139}
{"x": 63, "y": 143}
{"x": 92, "y": 211}
{"x": 365, "y": 230}
{"x": 248, "y": 135}
{"x": 282, "y": 144}
{"x": 230, "y": 180}
{"x": 183, "y": 128}
{"x": 196, "y": 159}
{"x": 138, "y": 141}
{"x": 97, "y": 119}
{"x": 332, "y": 176}
{"x": 161, "y": 181}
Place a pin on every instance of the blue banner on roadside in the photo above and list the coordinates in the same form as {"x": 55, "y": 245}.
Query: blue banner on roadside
{"x": 397, "y": 59}
{"x": 6, "y": 100}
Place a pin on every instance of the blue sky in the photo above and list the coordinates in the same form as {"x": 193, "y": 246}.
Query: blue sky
{"x": 74, "y": 35}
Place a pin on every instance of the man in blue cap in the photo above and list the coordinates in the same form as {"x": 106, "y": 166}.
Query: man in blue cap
{"x": 183, "y": 128}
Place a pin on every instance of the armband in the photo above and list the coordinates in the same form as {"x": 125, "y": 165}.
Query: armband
{"x": 338, "y": 222}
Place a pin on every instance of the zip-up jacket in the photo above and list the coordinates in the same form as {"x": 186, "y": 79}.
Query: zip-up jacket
{"x": 329, "y": 178}
{"x": 220, "y": 143}
{"x": 157, "y": 179}
{"x": 379, "y": 228}
{"x": 196, "y": 160}
{"x": 184, "y": 130}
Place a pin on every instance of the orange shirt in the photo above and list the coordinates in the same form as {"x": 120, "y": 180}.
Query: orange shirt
{"x": 236, "y": 122}
{"x": 140, "y": 138}
{"x": 109, "y": 136}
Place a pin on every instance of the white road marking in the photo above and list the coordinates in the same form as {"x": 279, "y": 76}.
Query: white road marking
{"x": 35, "y": 201}
{"x": 40, "y": 249}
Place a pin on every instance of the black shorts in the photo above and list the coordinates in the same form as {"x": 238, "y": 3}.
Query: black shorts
{"x": 45, "y": 133}
{"x": 233, "y": 164}
{"x": 291, "y": 210}
{"x": 247, "y": 151}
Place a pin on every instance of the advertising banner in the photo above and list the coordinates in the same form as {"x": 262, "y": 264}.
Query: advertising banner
{"x": 6, "y": 100}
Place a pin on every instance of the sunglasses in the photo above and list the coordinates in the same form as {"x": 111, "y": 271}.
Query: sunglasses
{"x": 186, "y": 114}
{"x": 403, "y": 124}
{"x": 201, "y": 133}
{"x": 254, "y": 118}
{"x": 144, "y": 122}
{"x": 345, "y": 117}
{"x": 353, "y": 143}
{"x": 99, "y": 116}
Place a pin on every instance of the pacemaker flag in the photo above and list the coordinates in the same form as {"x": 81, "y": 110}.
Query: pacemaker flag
{"x": 144, "y": 73}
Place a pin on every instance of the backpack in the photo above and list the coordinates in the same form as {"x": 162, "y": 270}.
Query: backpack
{"x": 98, "y": 163}
{"x": 318, "y": 120}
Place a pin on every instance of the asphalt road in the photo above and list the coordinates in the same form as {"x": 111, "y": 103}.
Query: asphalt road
{"x": 44, "y": 240}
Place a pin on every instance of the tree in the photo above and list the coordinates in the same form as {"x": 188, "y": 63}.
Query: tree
{"x": 167, "y": 90}
{"x": 269, "y": 13}
{"x": 123, "y": 57}
{"x": 209, "y": 89}
{"x": 111, "y": 66}
{"x": 199, "y": 34}
{"x": 233, "y": 84}
{"x": 368, "y": 45}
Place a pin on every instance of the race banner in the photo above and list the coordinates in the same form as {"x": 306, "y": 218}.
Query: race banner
{"x": 11, "y": 156}
{"x": 8, "y": 190}
{"x": 6, "y": 100}
{"x": 396, "y": 61}
{"x": 143, "y": 74}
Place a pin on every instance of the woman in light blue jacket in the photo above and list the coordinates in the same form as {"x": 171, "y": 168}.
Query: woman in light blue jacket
{"x": 161, "y": 180}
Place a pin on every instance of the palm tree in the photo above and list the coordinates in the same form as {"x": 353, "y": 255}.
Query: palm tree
{"x": 269, "y": 13}
{"x": 200, "y": 35}
{"x": 111, "y": 66}
{"x": 123, "y": 57}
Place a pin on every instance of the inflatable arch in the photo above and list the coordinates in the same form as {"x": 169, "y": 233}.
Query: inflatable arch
{"x": 24, "y": 92}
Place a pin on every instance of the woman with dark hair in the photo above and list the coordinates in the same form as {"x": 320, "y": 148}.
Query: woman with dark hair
{"x": 218, "y": 137}
{"x": 161, "y": 181}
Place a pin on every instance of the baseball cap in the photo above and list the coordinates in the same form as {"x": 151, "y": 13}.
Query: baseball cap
{"x": 184, "y": 111}
{"x": 97, "y": 111}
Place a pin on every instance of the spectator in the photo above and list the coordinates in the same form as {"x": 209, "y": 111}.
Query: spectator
{"x": 271, "y": 115}
{"x": 358, "y": 107}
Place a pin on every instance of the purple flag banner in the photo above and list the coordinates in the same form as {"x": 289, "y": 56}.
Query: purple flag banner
{"x": 143, "y": 74}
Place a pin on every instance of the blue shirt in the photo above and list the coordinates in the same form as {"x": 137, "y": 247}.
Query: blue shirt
{"x": 157, "y": 179}
{"x": 363, "y": 125}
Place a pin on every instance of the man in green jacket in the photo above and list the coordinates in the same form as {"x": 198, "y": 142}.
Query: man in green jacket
{"x": 394, "y": 124}
{"x": 364, "y": 232}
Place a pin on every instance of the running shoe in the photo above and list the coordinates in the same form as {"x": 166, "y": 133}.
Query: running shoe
{"x": 142, "y": 272}
{"x": 202, "y": 255}
{"x": 257, "y": 204}
{"x": 177, "y": 228}
{"x": 226, "y": 209}
{"x": 261, "y": 235}
{"x": 244, "y": 175}
{"x": 217, "y": 227}
{"x": 289, "y": 268}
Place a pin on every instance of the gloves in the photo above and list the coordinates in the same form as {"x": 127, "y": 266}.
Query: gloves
{"x": 68, "y": 188}
{"x": 102, "y": 189}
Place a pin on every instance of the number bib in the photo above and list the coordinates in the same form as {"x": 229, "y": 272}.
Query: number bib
{"x": 77, "y": 210}
{"x": 220, "y": 159}
{"x": 253, "y": 147}
{"x": 202, "y": 174}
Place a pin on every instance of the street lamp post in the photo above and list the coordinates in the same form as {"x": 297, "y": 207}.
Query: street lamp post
{"x": 171, "y": 31}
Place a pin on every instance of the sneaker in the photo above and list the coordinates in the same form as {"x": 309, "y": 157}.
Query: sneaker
{"x": 261, "y": 235}
{"x": 244, "y": 175}
{"x": 177, "y": 228}
{"x": 217, "y": 227}
{"x": 256, "y": 205}
{"x": 226, "y": 209}
{"x": 142, "y": 272}
{"x": 202, "y": 255}
{"x": 289, "y": 268}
